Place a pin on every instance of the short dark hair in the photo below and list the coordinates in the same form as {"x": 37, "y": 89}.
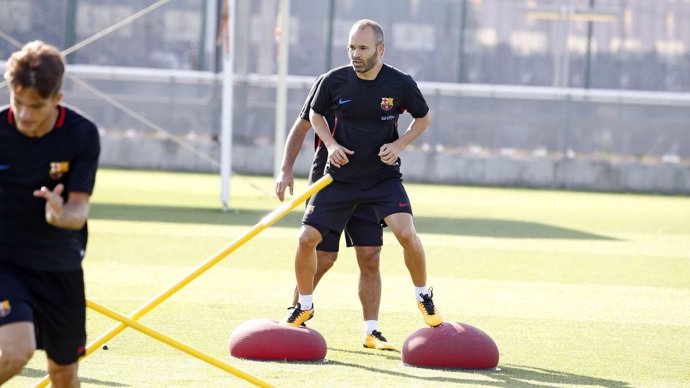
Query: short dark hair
{"x": 364, "y": 23}
{"x": 37, "y": 65}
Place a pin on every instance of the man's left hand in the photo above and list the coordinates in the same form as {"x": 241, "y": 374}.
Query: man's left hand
{"x": 389, "y": 153}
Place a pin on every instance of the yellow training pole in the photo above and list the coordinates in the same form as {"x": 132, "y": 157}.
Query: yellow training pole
{"x": 176, "y": 344}
{"x": 264, "y": 223}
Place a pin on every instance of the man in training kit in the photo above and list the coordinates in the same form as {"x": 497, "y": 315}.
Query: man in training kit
{"x": 48, "y": 161}
{"x": 363, "y": 147}
{"x": 363, "y": 230}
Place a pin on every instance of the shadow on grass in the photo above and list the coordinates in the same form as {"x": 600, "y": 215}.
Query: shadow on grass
{"x": 185, "y": 215}
{"x": 504, "y": 376}
{"x": 526, "y": 376}
{"x": 285, "y": 362}
{"x": 478, "y": 227}
{"x": 39, "y": 374}
{"x": 389, "y": 354}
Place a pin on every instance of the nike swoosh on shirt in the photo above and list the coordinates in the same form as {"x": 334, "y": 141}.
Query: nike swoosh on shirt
{"x": 343, "y": 102}
{"x": 403, "y": 204}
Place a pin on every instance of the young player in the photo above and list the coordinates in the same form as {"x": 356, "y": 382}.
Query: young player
{"x": 48, "y": 161}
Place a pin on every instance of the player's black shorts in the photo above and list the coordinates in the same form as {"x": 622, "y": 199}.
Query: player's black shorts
{"x": 54, "y": 301}
{"x": 362, "y": 230}
{"x": 330, "y": 209}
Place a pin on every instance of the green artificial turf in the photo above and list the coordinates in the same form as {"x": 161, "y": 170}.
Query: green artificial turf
{"x": 576, "y": 289}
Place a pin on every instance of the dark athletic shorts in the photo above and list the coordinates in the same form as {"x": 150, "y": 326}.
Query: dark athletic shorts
{"x": 54, "y": 301}
{"x": 362, "y": 230}
{"x": 331, "y": 208}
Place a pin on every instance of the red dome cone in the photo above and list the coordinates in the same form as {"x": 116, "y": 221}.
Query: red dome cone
{"x": 264, "y": 339}
{"x": 451, "y": 345}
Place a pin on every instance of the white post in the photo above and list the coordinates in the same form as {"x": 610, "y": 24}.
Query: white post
{"x": 281, "y": 87}
{"x": 227, "y": 107}
{"x": 565, "y": 76}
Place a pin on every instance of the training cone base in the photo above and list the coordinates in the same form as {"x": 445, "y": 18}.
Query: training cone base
{"x": 265, "y": 339}
{"x": 450, "y": 345}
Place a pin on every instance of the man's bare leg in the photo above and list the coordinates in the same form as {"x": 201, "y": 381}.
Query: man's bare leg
{"x": 369, "y": 278}
{"x": 305, "y": 259}
{"x": 305, "y": 269}
{"x": 63, "y": 375}
{"x": 17, "y": 345}
{"x": 415, "y": 259}
{"x": 369, "y": 281}
{"x": 324, "y": 262}
{"x": 368, "y": 259}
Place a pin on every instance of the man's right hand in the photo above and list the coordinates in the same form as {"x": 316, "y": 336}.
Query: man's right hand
{"x": 285, "y": 180}
{"x": 337, "y": 155}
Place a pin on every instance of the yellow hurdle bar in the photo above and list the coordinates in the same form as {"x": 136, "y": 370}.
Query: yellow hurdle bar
{"x": 175, "y": 344}
{"x": 264, "y": 223}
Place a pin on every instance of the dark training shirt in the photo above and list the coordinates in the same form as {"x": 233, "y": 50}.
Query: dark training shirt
{"x": 68, "y": 154}
{"x": 366, "y": 117}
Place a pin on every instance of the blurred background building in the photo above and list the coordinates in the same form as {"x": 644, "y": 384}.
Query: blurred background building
{"x": 585, "y": 94}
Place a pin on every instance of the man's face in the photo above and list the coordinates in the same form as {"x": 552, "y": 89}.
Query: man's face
{"x": 33, "y": 114}
{"x": 363, "y": 52}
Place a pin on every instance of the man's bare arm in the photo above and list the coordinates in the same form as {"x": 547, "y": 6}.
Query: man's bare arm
{"x": 337, "y": 154}
{"x": 293, "y": 145}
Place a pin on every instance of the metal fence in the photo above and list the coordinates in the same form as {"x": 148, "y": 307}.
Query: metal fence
{"x": 469, "y": 118}
{"x": 604, "y": 79}
{"x": 609, "y": 44}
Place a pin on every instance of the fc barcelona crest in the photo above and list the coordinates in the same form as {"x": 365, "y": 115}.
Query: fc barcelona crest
{"x": 5, "y": 308}
{"x": 58, "y": 169}
{"x": 386, "y": 103}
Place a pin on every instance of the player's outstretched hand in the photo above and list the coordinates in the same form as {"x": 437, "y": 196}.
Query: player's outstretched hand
{"x": 54, "y": 202}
